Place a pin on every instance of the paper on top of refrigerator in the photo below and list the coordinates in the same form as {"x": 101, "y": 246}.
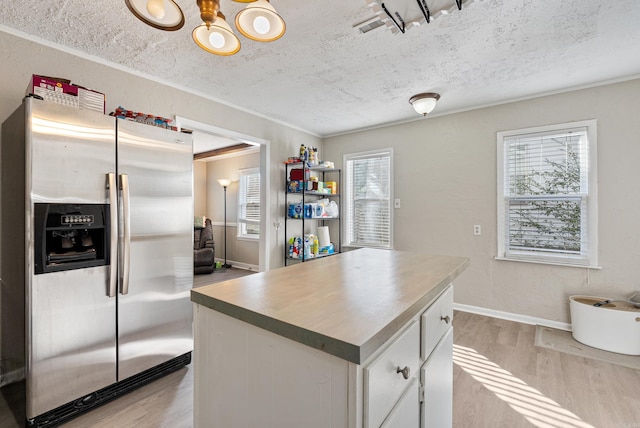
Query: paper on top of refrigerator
{"x": 62, "y": 91}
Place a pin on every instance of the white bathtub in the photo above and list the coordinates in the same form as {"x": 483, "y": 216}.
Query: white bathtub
{"x": 614, "y": 326}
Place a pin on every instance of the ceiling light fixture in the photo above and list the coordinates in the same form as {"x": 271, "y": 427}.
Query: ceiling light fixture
{"x": 424, "y": 103}
{"x": 161, "y": 14}
{"x": 216, "y": 37}
{"x": 259, "y": 21}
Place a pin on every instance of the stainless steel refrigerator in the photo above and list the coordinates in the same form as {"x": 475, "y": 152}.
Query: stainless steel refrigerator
{"x": 97, "y": 256}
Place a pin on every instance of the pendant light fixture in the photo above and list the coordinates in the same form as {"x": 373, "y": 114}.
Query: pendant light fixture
{"x": 161, "y": 14}
{"x": 258, "y": 21}
{"x": 424, "y": 103}
{"x": 214, "y": 35}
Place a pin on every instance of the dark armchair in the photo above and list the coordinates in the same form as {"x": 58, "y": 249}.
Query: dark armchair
{"x": 203, "y": 248}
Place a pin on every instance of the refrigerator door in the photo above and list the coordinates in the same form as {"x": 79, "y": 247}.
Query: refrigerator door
{"x": 72, "y": 152}
{"x": 70, "y": 318}
{"x": 156, "y": 267}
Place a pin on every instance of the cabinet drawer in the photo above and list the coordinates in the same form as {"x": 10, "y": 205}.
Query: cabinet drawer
{"x": 436, "y": 321}
{"x": 383, "y": 384}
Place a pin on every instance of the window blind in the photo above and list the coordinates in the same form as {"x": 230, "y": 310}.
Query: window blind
{"x": 546, "y": 191}
{"x": 249, "y": 204}
{"x": 368, "y": 205}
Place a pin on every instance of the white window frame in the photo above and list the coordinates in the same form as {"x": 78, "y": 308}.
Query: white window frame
{"x": 590, "y": 225}
{"x": 242, "y": 222}
{"x": 348, "y": 198}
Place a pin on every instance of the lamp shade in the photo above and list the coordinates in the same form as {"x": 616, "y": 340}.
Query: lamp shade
{"x": 259, "y": 21}
{"x": 162, "y": 14}
{"x": 218, "y": 38}
{"x": 424, "y": 103}
{"x": 224, "y": 182}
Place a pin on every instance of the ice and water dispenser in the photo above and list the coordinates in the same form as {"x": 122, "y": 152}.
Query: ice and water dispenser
{"x": 70, "y": 236}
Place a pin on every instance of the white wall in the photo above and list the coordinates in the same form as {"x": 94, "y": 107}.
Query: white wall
{"x": 445, "y": 176}
{"x": 199, "y": 188}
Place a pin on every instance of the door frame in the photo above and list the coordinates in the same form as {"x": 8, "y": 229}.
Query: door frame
{"x": 237, "y": 137}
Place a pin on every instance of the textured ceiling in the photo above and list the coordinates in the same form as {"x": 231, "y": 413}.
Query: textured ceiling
{"x": 326, "y": 77}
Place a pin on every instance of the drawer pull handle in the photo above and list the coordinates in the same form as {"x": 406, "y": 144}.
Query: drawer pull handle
{"x": 446, "y": 319}
{"x": 405, "y": 372}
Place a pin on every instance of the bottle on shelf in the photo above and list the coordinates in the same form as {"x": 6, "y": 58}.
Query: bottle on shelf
{"x": 312, "y": 200}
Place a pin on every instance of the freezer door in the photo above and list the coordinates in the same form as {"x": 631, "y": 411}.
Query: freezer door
{"x": 72, "y": 152}
{"x": 73, "y": 341}
{"x": 71, "y": 331}
{"x": 156, "y": 186}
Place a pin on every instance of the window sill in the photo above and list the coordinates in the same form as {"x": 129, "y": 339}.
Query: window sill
{"x": 552, "y": 263}
{"x": 355, "y": 246}
{"x": 248, "y": 238}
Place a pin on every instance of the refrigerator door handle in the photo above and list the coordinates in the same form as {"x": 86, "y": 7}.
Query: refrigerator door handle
{"x": 126, "y": 226}
{"x": 113, "y": 224}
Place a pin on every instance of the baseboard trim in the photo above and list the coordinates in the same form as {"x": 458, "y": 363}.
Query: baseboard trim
{"x": 239, "y": 265}
{"x": 509, "y": 316}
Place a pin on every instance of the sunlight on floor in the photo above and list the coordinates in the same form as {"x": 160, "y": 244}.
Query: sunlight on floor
{"x": 529, "y": 402}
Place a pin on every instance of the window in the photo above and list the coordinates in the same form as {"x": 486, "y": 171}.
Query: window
{"x": 547, "y": 196}
{"x": 249, "y": 204}
{"x": 367, "y": 199}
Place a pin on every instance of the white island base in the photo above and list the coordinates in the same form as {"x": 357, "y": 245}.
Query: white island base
{"x": 248, "y": 376}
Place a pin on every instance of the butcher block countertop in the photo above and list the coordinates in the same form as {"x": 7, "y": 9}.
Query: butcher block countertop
{"x": 347, "y": 305}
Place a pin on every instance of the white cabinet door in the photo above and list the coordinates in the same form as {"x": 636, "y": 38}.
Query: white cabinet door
{"x": 406, "y": 413}
{"x": 437, "y": 380}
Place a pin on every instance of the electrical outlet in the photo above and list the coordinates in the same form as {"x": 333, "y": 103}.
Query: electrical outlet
{"x": 477, "y": 230}
{"x": 396, "y": 203}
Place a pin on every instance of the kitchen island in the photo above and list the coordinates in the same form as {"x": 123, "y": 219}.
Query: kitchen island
{"x": 353, "y": 340}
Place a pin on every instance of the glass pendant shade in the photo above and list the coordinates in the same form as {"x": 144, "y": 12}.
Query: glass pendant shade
{"x": 218, "y": 38}
{"x": 424, "y": 103}
{"x": 259, "y": 21}
{"x": 162, "y": 14}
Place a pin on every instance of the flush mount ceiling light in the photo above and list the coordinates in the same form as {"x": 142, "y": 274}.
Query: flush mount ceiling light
{"x": 424, "y": 103}
{"x": 258, "y": 21}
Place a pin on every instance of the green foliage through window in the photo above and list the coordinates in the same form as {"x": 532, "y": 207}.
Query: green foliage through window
{"x": 546, "y": 192}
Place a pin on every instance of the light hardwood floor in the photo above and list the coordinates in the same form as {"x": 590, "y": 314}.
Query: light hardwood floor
{"x": 501, "y": 379}
{"x": 219, "y": 275}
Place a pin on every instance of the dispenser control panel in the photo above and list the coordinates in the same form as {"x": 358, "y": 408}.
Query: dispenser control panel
{"x": 77, "y": 220}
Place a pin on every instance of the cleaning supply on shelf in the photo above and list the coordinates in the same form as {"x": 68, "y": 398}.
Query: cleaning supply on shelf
{"x": 323, "y": 236}
{"x": 307, "y": 246}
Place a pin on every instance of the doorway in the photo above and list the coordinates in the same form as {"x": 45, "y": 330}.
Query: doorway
{"x": 225, "y": 141}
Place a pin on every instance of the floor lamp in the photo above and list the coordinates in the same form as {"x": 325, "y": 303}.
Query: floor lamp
{"x": 225, "y": 183}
